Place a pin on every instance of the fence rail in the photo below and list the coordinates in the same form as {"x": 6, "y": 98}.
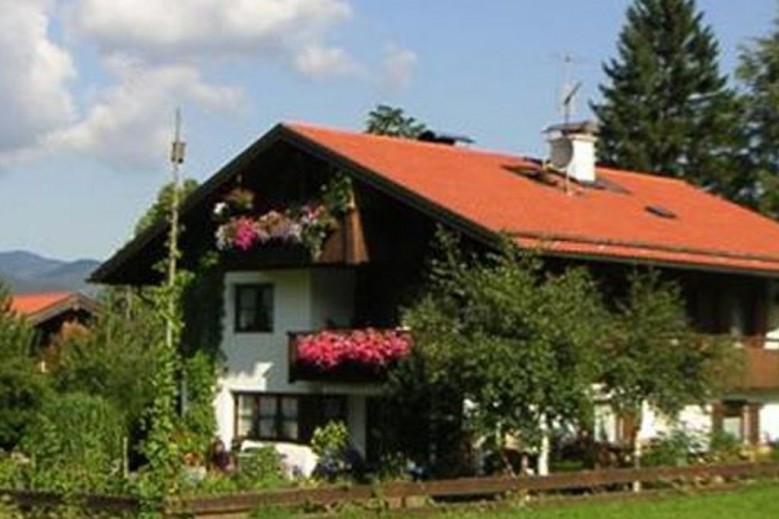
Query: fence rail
{"x": 237, "y": 505}
{"x": 485, "y": 487}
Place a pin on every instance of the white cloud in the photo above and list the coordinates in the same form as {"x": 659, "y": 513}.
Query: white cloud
{"x": 155, "y": 55}
{"x": 34, "y": 77}
{"x": 399, "y": 66}
{"x": 129, "y": 124}
{"x": 194, "y": 30}
{"x": 324, "y": 62}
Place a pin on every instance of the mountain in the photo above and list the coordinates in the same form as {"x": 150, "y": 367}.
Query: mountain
{"x": 24, "y": 271}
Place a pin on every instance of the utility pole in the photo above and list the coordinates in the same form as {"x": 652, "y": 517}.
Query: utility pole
{"x": 176, "y": 159}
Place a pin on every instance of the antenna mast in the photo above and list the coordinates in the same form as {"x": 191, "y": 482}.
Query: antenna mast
{"x": 569, "y": 89}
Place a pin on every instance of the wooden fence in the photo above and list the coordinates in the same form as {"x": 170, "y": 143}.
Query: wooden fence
{"x": 397, "y": 493}
{"x": 400, "y": 493}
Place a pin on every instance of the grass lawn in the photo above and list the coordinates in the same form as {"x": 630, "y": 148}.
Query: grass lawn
{"x": 760, "y": 501}
{"x": 756, "y": 502}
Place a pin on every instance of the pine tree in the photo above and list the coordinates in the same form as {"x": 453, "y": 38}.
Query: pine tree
{"x": 758, "y": 72}
{"x": 667, "y": 109}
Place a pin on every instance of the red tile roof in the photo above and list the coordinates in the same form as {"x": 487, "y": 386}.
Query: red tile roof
{"x": 491, "y": 192}
{"x": 42, "y": 306}
{"x": 28, "y": 304}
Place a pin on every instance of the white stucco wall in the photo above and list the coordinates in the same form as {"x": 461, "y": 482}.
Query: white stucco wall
{"x": 693, "y": 419}
{"x": 304, "y": 300}
{"x": 605, "y": 423}
{"x": 769, "y": 422}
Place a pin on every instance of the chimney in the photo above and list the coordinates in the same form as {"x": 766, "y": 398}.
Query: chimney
{"x": 572, "y": 150}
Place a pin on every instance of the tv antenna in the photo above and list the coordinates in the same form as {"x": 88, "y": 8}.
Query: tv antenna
{"x": 569, "y": 89}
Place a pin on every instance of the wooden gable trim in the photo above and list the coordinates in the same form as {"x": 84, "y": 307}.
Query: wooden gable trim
{"x": 105, "y": 271}
{"x": 73, "y": 302}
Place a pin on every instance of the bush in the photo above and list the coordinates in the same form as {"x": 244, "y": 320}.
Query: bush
{"x": 724, "y": 448}
{"x": 330, "y": 439}
{"x": 259, "y": 468}
{"x": 672, "y": 449}
{"x": 22, "y": 392}
{"x": 75, "y": 442}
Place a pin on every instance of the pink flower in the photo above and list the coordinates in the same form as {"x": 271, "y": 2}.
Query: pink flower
{"x": 246, "y": 233}
{"x": 369, "y": 348}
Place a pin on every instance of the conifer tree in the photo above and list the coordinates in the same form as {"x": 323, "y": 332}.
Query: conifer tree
{"x": 666, "y": 108}
{"x": 758, "y": 72}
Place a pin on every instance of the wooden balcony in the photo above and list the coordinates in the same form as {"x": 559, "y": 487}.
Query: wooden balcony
{"x": 344, "y": 246}
{"x": 762, "y": 364}
{"x": 348, "y": 370}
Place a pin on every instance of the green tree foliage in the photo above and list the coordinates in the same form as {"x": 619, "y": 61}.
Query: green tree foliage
{"x": 652, "y": 354}
{"x": 76, "y": 442}
{"x": 162, "y": 419}
{"x": 160, "y": 209}
{"x": 198, "y": 422}
{"x": 116, "y": 357}
{"x": 666, "y": 108}
{"x": 392, "y": 121}
{"x": 22, "y": 387}
{"x": 758, "y": 72}
{"x": 518, "y": 342}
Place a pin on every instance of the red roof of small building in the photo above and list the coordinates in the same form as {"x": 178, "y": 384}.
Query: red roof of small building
{"x": 41, "y": 306}
{"x": 494, "y": 192}
{"x": 28, "y": 304}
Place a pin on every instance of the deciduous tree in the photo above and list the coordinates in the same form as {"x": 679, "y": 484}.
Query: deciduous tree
{"x": 520, "y": 342}
{"x": 392, "y": 121}
{"x": 652, "y": 356}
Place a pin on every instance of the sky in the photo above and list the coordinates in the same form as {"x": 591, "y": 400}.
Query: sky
{"x": 88, "y": 88}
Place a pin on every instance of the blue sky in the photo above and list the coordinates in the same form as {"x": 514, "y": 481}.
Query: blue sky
{"x": 89, "y": 87}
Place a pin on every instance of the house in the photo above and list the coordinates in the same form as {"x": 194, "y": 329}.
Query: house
{"x": 52, "y": 313}
{"x": 287, "y": 271}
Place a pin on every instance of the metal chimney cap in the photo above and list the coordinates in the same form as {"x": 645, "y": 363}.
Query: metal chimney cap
{"x": 586, "y": 127}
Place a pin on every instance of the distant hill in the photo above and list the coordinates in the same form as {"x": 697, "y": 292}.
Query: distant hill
{"x": 24, "y": 271}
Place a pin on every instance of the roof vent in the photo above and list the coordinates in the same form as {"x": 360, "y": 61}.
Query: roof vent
{"x": 659, "y": 210}
{"x": 572, "y": 150}
{"x": 444, "y": 138}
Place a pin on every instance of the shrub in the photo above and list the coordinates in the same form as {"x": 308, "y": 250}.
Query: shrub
{"x": 259, "y": 468}
{"x": 671, "y": 449}
{"x": 330, "y": 439}
{"x": 75, "y": 442}
{"x": 723, "y": 448}
{"x": 22, "y": 392}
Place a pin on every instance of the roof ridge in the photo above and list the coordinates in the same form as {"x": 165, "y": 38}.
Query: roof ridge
{"x": 58, "y": 293}
{"x": 295, "y": 125}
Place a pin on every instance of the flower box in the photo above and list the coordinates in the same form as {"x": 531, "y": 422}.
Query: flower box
{"x": 347, "y": 355}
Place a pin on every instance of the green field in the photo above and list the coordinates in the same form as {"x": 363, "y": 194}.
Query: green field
{"x": 758, "y": 502}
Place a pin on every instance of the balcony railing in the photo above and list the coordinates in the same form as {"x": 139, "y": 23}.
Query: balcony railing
{"x": 354, "y": 355}
{"x": 762, "y": 364}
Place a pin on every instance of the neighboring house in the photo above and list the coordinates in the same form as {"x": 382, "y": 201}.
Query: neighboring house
{"x": 725, "y": 257}
{"x": 52, "y": 313}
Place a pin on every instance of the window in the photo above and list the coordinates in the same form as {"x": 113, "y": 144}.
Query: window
{"x": 266, "y": 416}
{"x": 254, "y": 308}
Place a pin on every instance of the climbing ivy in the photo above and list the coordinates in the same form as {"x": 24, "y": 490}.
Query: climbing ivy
{"x": 160, "y": 448}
